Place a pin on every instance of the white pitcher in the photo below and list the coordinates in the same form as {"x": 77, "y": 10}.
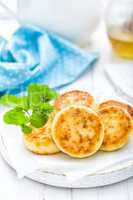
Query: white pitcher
{"x": 74, "y": 19}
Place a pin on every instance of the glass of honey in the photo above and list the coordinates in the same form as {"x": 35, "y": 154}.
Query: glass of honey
{"x": 119, "y": 23}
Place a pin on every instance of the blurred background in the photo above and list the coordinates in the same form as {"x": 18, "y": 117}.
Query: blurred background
{"x": 104, "y": 26}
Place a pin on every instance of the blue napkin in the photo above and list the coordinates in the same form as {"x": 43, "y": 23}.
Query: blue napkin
{"x": 35, "y": 55}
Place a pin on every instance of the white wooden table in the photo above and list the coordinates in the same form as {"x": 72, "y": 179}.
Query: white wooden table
{"x": 12, "y": 188}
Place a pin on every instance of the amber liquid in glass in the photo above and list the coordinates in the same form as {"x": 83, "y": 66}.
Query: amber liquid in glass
{"x": 122, "y": 42}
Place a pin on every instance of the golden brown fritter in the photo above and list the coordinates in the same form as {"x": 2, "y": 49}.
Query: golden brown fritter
{"x": 40, "y": 140}
{"x": 78, "y": 131}
{"x": 117, "y": 127}
{"x": 125, "y": 106}
{"x": 74, "y": 97}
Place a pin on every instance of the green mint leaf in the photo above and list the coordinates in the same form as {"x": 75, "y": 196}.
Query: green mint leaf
{"x": 12, "y": 100}
{"x": 39, "y": 94}
{"x": 8, "y": 99}
{"x": 26, "y": 129}
{"x": 45, "y": 108}
{"x": 38, "y": 119}
{"x": 23, "y": 102}
{"x": 43, "y": 111}
{"x": 51, "y": 95}
{"x": 16, "y": 116}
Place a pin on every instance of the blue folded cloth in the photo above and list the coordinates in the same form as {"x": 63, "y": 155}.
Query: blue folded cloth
{"x": 34, "y": 55}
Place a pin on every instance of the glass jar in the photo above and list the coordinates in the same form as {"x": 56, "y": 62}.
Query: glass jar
{"x": 119, "y": 23}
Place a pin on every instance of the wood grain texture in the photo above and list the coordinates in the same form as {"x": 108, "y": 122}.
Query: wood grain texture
{"x": 11, "y": 187}
{"x": 116, "y": 191}
{"x": 85, "y": 194}
{"x": 53, "y": 193}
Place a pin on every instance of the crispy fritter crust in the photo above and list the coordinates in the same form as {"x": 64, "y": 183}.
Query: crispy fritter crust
{"x": 117, "y": 127}
{"x": 75, "y": 97}
{"x": 125, "y": 106}
{"x": 40, "y": 140}
{"x": 78, "y": 131}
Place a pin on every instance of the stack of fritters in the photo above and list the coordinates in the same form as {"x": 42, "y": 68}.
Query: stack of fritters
{"x": 79, "y": 127}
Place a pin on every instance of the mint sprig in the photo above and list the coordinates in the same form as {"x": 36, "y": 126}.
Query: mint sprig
{"x": 31, "y": 110}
